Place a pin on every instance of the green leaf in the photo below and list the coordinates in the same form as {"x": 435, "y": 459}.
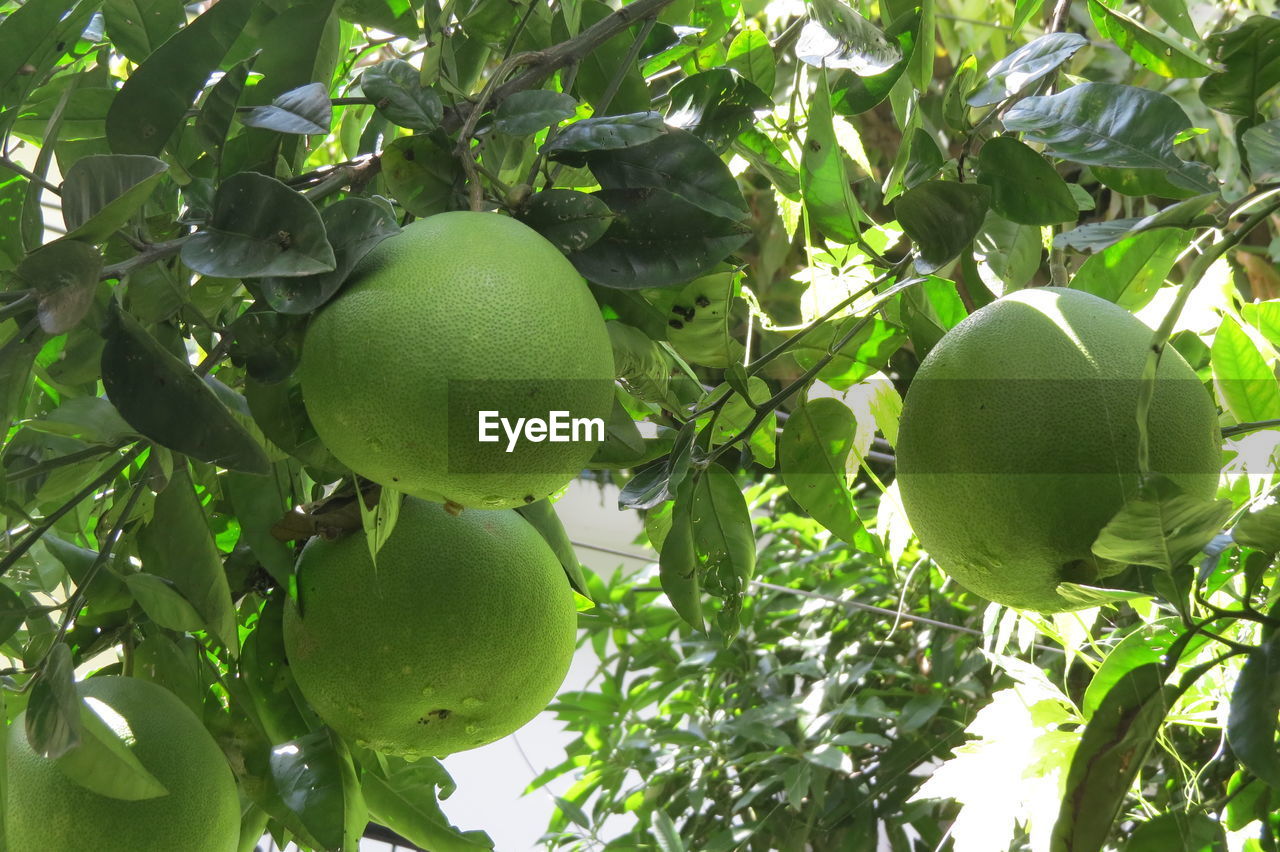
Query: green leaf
{"x": 103, "y": 763}
{"x": 659, "y": 482}
{"x": 604, "y": 133}
{"x": 260, "y": 502}
{"x": 865, "y": 353}
{"x": 391, "y": 16}
{"x": 1260, "y": 529}
{"x": 219, "y": 108}
{"x": 665, "y": 833}
{"x": 422, "y": 176}
{"x": 824, "y": 183}
{"x": 1157, "y": 52}
{"x": 722, "y": 534}
{"x": 570, "y": 220}
{"x": 353, "y": 226}
{"x": 838, "y": 37}
{"x": 751, "y": 55}
{"x": 1025, "y": 188}
{"x": 657, "y": 239}
{"x": 1130, "y": 272}
{"x": 155, "y": 98}
{"x": 53, "y": 723}
{"x": 767, "y": 158}
{"x": 1178, "y": 831}
{"x": 1161, "y": 526}
{"x": 716, "y": 106}
{"x": 1112, "y": 750}
{"x": 403, "y": 797}
{"x": 162, "y": 603}
{"x": 33, "y": 37}
{"x": 1250, "y": 53}
{"x": 177, "y": 545}
{"x": 1108, "y": 124}
{"x": 138, "y": 27}
{"x": 942, "y": 218}
{"x": 261, "y": 227}
{"x": 1148, "y": 643}
{"x": 101, "y": 192}
{"x": 699, "y": 327}
{"x": 542, "y": 516}
{"x": 1262, "y": 151}
{"x": 1096, "y": 236}
{"x": 676, "y": 162}
{"x": 525, "y": 113}
{"x": 816, "y": 456}
{"x": 317, "y": 781}
{"x": 304, "y": 111}
{"x": 678, "y": 560}
{"x": 64, "y": 274}
{"x": 1140, "y": 182}
{"x": 1174, "y": 13}
{"x": 13, "y": 613}
{"x": 609, "y": 61}
{"x": 400, "y": 97}
{"x": 1023, "y": 11}
{"x": 1026, "y": 66}
{"x": 857, "y": 94}
{"x": 1244, "y": 380}
{"x": 160, "y": 396}
{"x": 1255, "y": 702}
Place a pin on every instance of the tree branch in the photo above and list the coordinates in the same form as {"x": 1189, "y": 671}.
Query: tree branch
{"x": 152, "y": 253}
{"x": 543, "y": 63}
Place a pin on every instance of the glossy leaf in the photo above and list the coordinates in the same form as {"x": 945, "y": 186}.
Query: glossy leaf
{"x": 657, "y": 239}
{"x": 1025, "y": 188}
{"x": 162, "y": 603}
{"x": 571, "y": 220}
{"x": 1110, "y": 754}
{"x": 177, "y": 545}
{"x": 103, "y": 763}
{"x": 942, "y": 218}
{"x": 1109, "y": 124}
{"x": 64, "y": 275}
{"x": 676, "y": 162}
{"x": 1177, "y": 831}
{"x": 1148, "y": 643}
{"x": 1162, "y": 526}
{"x": 824, "y": 182}
{"x": 751, "y": 55}
{"x": 1250, "y": 53}
{"x": 716, "y": 106}
{"x": 317, "y": 781}
{"x": 839, "y": 37}
{"x": 219, "y": 107}
{"x": 678, "y": 561}
{"x": 138, "y": 27}
{"x": 161, "y": 397}
{"x": 722, "y": 534}
{"x": 100, "y": 193}
{"x": 1244, "y": 381}
{"x": 523, "y": 113}
{"x": 1262, "y": 149}
{"x": 155, "y": 98}
{"x": 865, "y": 353}
{"x": 403, "y": 796}
{"x": 1255, "y": 703}
{"x": 302, "y": 111}
{"x": 1096, "y": 236}
{"x": 1155, "y": 51}
{"x": 1026, "y": 66}
{"x": 353, "y": 226}
{"x": 400, "y": 97}
{"x": 422, "y": 176}
{"x": 260, "y": 227}
{"x": 53, "y": 723}
{"x": 1130, "y": 272}
{"x": 817, "y": 454}
{"x": 854, "y": 94}
{"x": 605, "y": 133}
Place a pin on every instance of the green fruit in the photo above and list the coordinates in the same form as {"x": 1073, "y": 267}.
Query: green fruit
{"x": 47, "y": 811}
{"x": 458, "y": 313}
{"x": 461, "y": 634}
{"x": 1019, "y": 438}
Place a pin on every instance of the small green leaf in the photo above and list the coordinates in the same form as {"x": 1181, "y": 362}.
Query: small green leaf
{"x": 571, "y": 220}
{"x": 317, "y": 781}
{"x": 1130, "y": 272}
{"x": 259, "y": 227}
{"x": 1260, "y": 529}
{"x": 101, "y": 192}
{"x": 1262, "y": 150}
{"x": 1162, "y": 526}
{"x": 838, "y": 37}
{"x": 1025, "y": 188}
{"x": 1255, "y": 702}
{"x": 1026, "y": 66}
{"x": 53, "y": 723}
{"x": 716, "y": 106}
{"x": 816, "y": 456}
{"x": 422, "y": 176}
{"x": 1250, "y": 53}
{"x": 1152, "y": 50}
{"x": 525, "y": 113}
{"x": 824, "y": 182}
{"x": 103, "y": 763}
{"x": 162, "y": 603}
{"x": 1244, "y": 380}
{"x": 1147, "y": 643}
{"x": 722, "y": 534}
{"x": 304, "y": 111}
{"x": 542, "y": 516}
{"x": 865, "y": 353}
{"x": 138, "y": 27}
{"x": 177, "y": 545}
{"x": 678, "y": 561}
{"x": 942, "y": 218}
{"x": 1178, "y": 831}
{"x": 751, "y": 55}
{"x": 64, "y": 274}
{"x": 161, "y": 397}
{"x": 605, "y": 133}
{"x": 665, "y": 833}
{"x": 399, "y": 96}
{"x": 353, "y": 227}
{"x": 403, "y": 796}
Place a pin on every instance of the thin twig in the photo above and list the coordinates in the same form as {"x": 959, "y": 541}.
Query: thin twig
{"x": 152, "y": 253}
{"x": 9, "y": 164}
{"x": 1058, "y": 21}
{"x": 1243, "y": 428}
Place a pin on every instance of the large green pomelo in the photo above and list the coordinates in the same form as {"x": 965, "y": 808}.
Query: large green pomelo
{"x": 48, "y": 812}
{"x": 1019, "y": 441}
{"x": 462, "y": 633}
{"x": 458, "y": 313}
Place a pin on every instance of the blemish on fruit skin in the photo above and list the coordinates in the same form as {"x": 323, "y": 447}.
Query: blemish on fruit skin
{"x": 472, "y": 703}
